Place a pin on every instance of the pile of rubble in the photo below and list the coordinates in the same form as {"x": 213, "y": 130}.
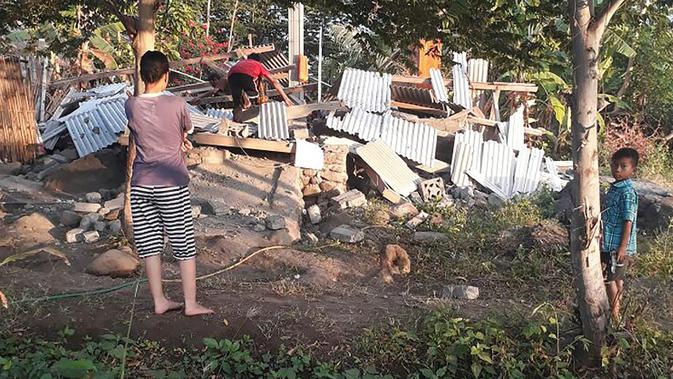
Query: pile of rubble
{"x": 93, "y": 217}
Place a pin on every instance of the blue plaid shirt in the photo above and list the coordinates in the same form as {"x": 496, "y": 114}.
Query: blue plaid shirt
{"x": 621, "y": 204}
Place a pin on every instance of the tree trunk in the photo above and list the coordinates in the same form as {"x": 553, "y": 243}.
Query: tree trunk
{"x": 143, "y": 41}
{"x": 587, "y": 31}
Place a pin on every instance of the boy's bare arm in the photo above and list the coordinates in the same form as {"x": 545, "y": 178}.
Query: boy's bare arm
{"x": 279, "y": 89}
{"x": 626, "y": 234}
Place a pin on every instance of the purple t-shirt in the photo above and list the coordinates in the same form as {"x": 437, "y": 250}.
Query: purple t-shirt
{"x": 158, "y": 124}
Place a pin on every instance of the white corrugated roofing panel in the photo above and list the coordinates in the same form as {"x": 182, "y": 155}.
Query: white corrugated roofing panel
{"x": 461, "y": 84}
{"x": 98, "y": 128}
{"x": 438, "y": 85}
{"x": 415, "y": 141}
{"x": 461, "y": 163}
{"x": 273, "y": 121}
{"x": 367, "y": 90}
{"x": 221, "y": 113}
{"x": 390, "y": 167}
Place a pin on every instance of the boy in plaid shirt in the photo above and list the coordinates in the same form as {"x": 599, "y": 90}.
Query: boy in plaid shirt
{"x": 620, "y": 211}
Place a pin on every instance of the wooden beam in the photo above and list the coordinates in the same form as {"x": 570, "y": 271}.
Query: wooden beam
{"x": 129, "y": 71}
{"x": 243, "y": 143}
{"x": 272, "y": 93}
{"x": 526, "y": 130}
{"x": 245, "y": 51}
{"x": 300, "y": 111}
{"x": 418, "y": 108}
{"x": 502, "y": 86}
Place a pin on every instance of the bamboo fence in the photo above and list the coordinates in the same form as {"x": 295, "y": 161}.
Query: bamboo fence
{"x": 18, "y": 128}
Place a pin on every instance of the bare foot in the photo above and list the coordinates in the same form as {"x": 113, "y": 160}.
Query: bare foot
{"x": 166, "y": 306}
{"x": 197, "y": 309}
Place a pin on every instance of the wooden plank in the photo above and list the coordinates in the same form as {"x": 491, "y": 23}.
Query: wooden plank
{"x": 129, "y": 71}
{"x": 272, "y": 93}
{"x": 488, "y": 122}
{"x": 245, "y": 51}
{"x": 418, "y": 108}
{"x": 501, "y": 86}
{"x": 243, "y": 143}
{"x": 416, "y": 81}
{"x": 300, "y": 111}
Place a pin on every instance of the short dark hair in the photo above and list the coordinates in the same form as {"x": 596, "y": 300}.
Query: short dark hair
{"x": 153, "y": 65}
{"x": 255, "y": 57}
{"x": 627, "y": 152}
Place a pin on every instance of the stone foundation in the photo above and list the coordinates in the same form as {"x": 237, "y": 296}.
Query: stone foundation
{"x": 319, "y": 187}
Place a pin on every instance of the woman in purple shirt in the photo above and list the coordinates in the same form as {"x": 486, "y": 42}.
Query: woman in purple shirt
{"x": 160, "y": 198}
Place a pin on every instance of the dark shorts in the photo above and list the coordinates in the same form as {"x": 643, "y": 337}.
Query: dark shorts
{"x": 610, "y": 275}
{"x": 241, "y": 82}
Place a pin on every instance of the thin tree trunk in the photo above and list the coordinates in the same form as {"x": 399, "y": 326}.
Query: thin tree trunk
{"x": 594, "y": 307}
{"x": 143, "y": 41}
{"x": 231, "y": 28}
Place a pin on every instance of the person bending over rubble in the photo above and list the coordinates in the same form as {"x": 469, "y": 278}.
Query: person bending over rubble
{"x": 160, "y": 198}
{"x": 242, "y": 78}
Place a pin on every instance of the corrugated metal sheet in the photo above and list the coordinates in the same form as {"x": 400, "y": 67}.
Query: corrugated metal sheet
{"x": 417, "y": 142}
{"x": 221, "y": 113}
{"x": 461, "y": 85}
{"x": 390, "y": 167}
{"x": 414, "y": 95}
{"x": 474, "y": 140}
{"x": 367, "y": 90}
{"x": 515, "y": 134}
{"x": 438, "y": 85}
{"x": 203, "y": 123}
{"x": 461, "y": 163}
{"x": 97, "y": 128}
{"x": 273, "y": 121}
{"x": 274, "y": 59}
{"x": 477, "y": 71}
{"x": 497, "y": 165}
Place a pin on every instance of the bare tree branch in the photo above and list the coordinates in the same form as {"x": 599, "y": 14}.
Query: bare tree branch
{"x": 602, "y": 20}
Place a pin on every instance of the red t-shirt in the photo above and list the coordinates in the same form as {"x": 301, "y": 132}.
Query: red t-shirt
{"x": 249, "y": 67}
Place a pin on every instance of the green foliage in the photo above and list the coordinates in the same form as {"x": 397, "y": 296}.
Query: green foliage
{"x": 656, "y": 260}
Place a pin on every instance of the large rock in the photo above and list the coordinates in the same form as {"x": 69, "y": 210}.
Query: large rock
{"x": 275, "y": 222}
{"x": 27, "y": 231}
{"x": 93, "y": 197}
{"x": 115, "y": 227}
{"x": 74, "y": 235}
{"x": 70, "y": 218}
{"x": 116, "y": 203}
{"x": 89, "y": 221}
{"x": 350, "y": 199}
{"x": 330, "y": 222}
{"x": 87, "y": 207}
{"x": 348, "y": 234}
{"x": 460, "y": 292}
{"x": 430, "y": 237}
{"x": 403, "y": 211}
{"x": 114, "y": 263}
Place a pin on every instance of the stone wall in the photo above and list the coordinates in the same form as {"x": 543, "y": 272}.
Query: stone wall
{"x": 320, "y": 186}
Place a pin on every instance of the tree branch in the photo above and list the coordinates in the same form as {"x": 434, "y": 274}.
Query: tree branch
{"x": 603, "y": 19}
{"x": 130, "y": 23}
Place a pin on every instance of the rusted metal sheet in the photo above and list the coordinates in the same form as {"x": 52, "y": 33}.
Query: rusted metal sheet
{"x": 366, "y": 90}
{"x": 273, "y": 121}
{"x": 414, "y": 95}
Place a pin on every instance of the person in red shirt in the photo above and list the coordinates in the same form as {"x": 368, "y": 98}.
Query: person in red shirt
{"x": 242, "y": 77}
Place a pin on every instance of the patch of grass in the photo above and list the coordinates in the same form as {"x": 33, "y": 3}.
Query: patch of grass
{"x": 658, "y": 166}
{"x": 654, "y": 259}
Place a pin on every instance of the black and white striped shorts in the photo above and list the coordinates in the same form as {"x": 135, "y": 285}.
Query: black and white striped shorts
{"x": 157, "y": 210}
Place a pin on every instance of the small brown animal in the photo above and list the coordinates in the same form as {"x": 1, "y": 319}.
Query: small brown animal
{"x": 394, "y": 261}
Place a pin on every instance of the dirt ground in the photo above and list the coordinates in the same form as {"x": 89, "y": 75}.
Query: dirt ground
{"x": 319, "y": 296}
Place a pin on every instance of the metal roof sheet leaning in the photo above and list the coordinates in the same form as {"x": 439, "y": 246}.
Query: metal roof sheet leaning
{"x": 389, "y": 166}
{"x": 461, "y": 84}
{"x": 438, "y": 86}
